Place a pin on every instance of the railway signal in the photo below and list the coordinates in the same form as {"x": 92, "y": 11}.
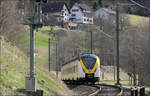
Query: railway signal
{"x": 32, "y": 16}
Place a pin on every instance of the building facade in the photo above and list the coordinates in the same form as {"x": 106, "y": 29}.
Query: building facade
{"x": 59, "y": 10}
{"x": 81, "y": 14}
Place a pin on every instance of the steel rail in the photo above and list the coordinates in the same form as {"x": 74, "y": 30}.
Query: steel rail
{"x": 97, "y": 91}
{"x": 112, "y": 86}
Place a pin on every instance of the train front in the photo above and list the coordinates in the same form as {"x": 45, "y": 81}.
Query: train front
{"x": 90, "y": 67}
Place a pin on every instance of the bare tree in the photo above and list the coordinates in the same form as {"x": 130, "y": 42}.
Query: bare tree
{"x": 10, "y": 26}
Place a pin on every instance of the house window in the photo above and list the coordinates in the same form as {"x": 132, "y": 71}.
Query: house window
{"x": 59, "y": 19}
{"x": 62, "y": 12}
{"x": 75, "y": 10}
{"x": 84, "y": 19}
{"x": 73, "y": 14}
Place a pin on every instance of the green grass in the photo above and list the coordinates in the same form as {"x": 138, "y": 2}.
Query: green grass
{"x": 49, "y": 81}
{"x": 12, "y": 77}
{"x": 147, "y": 92}
{"x": 41, "y": 45}
{"x": 42, "y": 59}
{"x": 41, "y": 41}
{"x": 138, "y": 21}
{"x": 15, "y": 67}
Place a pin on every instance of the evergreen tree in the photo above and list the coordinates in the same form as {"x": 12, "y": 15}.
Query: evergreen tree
{"x": 72, "y": 2}
{"x": 129, "y": 10}
{"x": 100, "y": 3}
{"x": 95, "y": 6}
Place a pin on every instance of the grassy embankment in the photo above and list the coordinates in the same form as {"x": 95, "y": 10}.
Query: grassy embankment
{"x": 138, "y": 21}
{"x": 15, "y": 67}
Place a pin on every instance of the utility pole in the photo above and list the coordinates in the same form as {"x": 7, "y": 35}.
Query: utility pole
{"x": 59, "y": 65}
{"x": 56, "y": 60}
{"x": 134, "y": 58}
{"x": 117, "y": 45}
{"x": 49, "y": 48}
{"x": 49, "y": 54}
{"x": 117, "y": 33}
{"x": 31, "y": 50}
{"x": 0, "y": 43}
{"x": 134, "y": 74}
{"x": 91, "y": 36}
{"x": 114, "y": 60}
{"x": 149, "y": 49}
{"x": 91, "y": 42}
{"x": 78, "y": 52}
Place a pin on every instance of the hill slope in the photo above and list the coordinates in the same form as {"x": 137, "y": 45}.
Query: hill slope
{"x": 14, "y": 69}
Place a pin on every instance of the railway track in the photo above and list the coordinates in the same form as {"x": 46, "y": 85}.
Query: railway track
{"x": 109, "y": 90}
{"x": 97, "y": 90}
{"x": 84, "y": 90}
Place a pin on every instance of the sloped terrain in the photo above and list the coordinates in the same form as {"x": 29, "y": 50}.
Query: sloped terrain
{"x": 14, "y": 69}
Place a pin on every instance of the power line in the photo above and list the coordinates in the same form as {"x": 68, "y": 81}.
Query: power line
{"x": 107, "y": 35}
{"x": 140, "y": 5}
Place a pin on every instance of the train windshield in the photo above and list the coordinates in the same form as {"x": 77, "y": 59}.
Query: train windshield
{"x": 89, "y": 62}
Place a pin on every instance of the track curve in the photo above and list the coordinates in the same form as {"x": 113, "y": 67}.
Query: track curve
{"x": 96, "y": 90}
{"x": 110, "y": 90}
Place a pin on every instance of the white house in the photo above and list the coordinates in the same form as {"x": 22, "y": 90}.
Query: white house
{"x": 59, "y": 10}
{"x": 80, "y": 13}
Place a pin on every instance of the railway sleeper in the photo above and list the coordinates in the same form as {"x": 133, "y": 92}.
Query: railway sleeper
{"x": 79, "y": 81}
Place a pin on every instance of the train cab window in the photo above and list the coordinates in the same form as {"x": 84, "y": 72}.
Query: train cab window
{"x": 89, "y": 62}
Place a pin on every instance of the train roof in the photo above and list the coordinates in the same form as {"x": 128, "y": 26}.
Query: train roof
{"x": 89, "y": 55}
